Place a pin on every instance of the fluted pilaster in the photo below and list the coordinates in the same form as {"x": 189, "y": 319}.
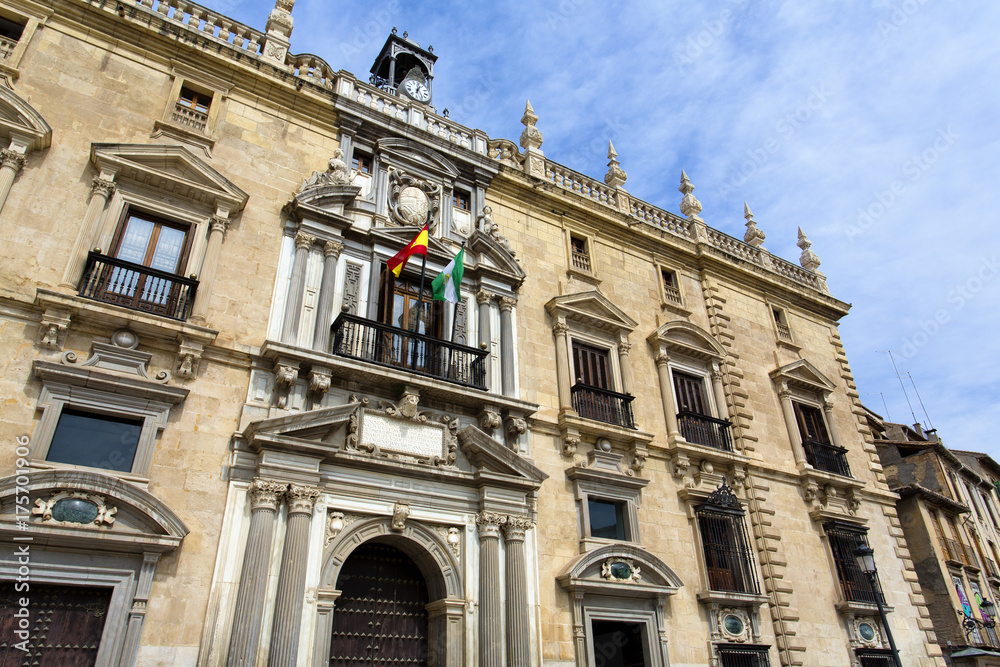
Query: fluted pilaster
{"x": 484, "y": 298}
{"x": 296, "y": 289}
{"x": 292, "y": 577}
{"x": 264, "y": 496}
{"x": 324, "y": 309}
{"x": 507, "y": 369}
{"x": 518, "y": 639}
{"x": 491, "y": 621}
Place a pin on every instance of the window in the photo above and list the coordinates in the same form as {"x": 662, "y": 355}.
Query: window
{"x": 10, "y": 31}
{"x": 671, "y": 288}
{"x": 875, "y": 658}
{"x": 781, "y": 324}
{"x": 743, "y": 655}
{"x": 95, "y": 441}
{"x": 402, "y": 306}
{"x": 593, "y": 395}
{"x": 142, "y": 271}
{"x": 361, "y": 163}
{"x": 191, "y": 109}
{"x": 460, "y": 200}
{"x": 694, "y": 415}
{"x": 607, "y": 518}
{"x": 618, "y": 644}
{"x": 199, "y": 102}
{"x": 728, "y": 555}
{"x": 844, "y": 540}
{"x": 579, "y": 254}
{"x": 820, "y": 452}
{"x": 102, "y": 413}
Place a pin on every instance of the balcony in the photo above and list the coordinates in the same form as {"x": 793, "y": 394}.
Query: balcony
{"x": 827, "y": 457}
{"x": 991, "y": 568}
{"x": 366, "y": 340}
{"x": 705, "y": 430}
{"x": 137, "y": 287}
{"x": 190, "y": 118}
{"x": 603, "y": 405}
{"x": 954, "y": 551}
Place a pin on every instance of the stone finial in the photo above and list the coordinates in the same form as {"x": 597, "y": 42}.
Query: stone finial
{"x": 690, "y": 206}
{"x": 754, "y": 236}
{"x": 532, "y": 136}
{"x": 808, "y": 260}
{"x": 616, "y": 176}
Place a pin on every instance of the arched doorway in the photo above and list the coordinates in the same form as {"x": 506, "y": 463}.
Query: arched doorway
{"x": 380, "y": 616}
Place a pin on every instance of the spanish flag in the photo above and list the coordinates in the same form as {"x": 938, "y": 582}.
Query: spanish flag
{"x": 417, "y": 246}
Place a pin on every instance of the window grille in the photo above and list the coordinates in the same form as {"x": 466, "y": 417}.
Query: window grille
{"x": 875, "y": 658}
{"x": 844, "y": 540}
{"x": 728, "y": 556}
{"x": 743, "y": 655}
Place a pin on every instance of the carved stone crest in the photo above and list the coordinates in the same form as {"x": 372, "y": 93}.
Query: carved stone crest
{"x": 411, "y": 199}
{"x": 621, "y": 570}
{"x": 75, "y": 508}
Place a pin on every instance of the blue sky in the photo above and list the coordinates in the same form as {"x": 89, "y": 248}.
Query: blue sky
{"x": 873, "y": 125}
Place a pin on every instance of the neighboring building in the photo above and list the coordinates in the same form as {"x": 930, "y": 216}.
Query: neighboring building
{"x": 635, "y": 440}
{"x": 950, "y": 518}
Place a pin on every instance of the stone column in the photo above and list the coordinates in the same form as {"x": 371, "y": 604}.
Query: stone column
{"x": 788, "y": 411}
{"x": 264, "y": 496}
{"x": 720, "y": 393}
{"x": 491, "y": 622}
{"x": 103, "y": 188}
{"x": 507, "y": 344}
{"x": 624, "y": 347}
{"x": 324, "y": 309}
{"x": 667, "y": 396}
{"x": 518, "y": 639}
{"x": 296, "y": 289}
{"x": 217, "y": 232}
{"x": 11, "y": 162}
{"x": 565, "y": 377}
{"x": 292, "y": 577}
{"x": 828, "y": 412}
{"x": 484, "y": 298}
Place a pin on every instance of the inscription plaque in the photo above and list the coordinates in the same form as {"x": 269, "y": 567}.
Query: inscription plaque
{"x": 401, "y": 436}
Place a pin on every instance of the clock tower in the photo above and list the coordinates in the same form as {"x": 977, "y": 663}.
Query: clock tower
{"x": 404, "y": 68}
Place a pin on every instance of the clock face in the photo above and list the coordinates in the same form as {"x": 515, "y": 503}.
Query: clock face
{"x": 416, "y": 90}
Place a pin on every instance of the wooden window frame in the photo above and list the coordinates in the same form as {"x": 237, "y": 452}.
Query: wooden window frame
{"x": 363, "y": 163}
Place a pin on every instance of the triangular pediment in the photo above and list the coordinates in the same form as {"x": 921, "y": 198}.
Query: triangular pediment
{"x": 21, "y": 123}
{"x": 687, "y": 339}
{"x": 804, "y": 375}
{"x": 172, "y": 169}
{"x": 496, "y": 258}
{"x": 486, "y": 453}
{"x": 417, "y": 156}
{"x": 591, "y": 308}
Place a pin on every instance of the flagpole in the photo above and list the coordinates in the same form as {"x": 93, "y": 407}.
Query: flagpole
{"x": 420, "y": 297}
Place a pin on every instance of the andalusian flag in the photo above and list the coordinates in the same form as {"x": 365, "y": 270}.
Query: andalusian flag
{"x": 447, "y": 286}
{"x": 417, "y": 246}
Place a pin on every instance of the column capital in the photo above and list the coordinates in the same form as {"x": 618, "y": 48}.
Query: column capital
{"x": 662, "y": 359}
{"x": 560, "y": 328}
{"x": 507, "y": 303}
{"x": 303, "y": 240}
{"x": 624, "y": 347}
{"x": 301, "y": 499}
{"x": 784, "y": 393}
{"x": 827, "y": 405}
{"x": 483, "y": 297}
{"x": 266, "y": 494}
{"x": 716, "y": 374}
{"x": 12, "y": 159}
{"x": 489, "y": 524}
{"x": 515, "y": 526}
{"x": 218, "y": 223}
{"x": 332, "y": 248}
{"x": 103, "y": 187}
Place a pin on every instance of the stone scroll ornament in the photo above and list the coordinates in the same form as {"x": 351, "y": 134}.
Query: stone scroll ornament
{"x": 412, "y": 200}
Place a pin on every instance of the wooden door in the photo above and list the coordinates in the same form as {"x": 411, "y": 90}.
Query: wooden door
{"x": 65, "y": 623}
{"x": 380, "y": 617}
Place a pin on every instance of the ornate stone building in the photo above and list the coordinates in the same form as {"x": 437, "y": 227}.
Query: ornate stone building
{"x": 234, "y": 437}
{"x": 951, "y": 521}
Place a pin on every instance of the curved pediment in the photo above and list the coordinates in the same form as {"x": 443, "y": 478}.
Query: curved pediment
{"x": 128, "y": 518}
{"x": 20, "y": 123}
{"x": 172, "y": 169}
{"x": 688, "y": 339}
{"x": 494, "y": 257}
{"x": 416, "y": 155}
{"x": 596, "y": 572}
{"x": 804, "y": 375}
{"x": 593, "y": 309}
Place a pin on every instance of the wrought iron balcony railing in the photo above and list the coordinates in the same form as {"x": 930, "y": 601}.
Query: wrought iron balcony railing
{"x": 705, "y": 430}
{"x": 137, "y": 287}
{"x": 603, "y": 405}
{"x": 386, "y": 345}
{"x": 827, "y": 457}
{"x": 991, "y": 568}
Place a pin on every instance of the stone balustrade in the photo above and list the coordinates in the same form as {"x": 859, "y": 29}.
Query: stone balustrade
{"x": 311, "y": 68}
{"x": 582, "y": 185}
{"x": 208, "y": 23}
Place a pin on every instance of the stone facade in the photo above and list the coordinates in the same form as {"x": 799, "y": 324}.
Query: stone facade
{"x": 951, "y": 521}
{"x": 204, "y": 350}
